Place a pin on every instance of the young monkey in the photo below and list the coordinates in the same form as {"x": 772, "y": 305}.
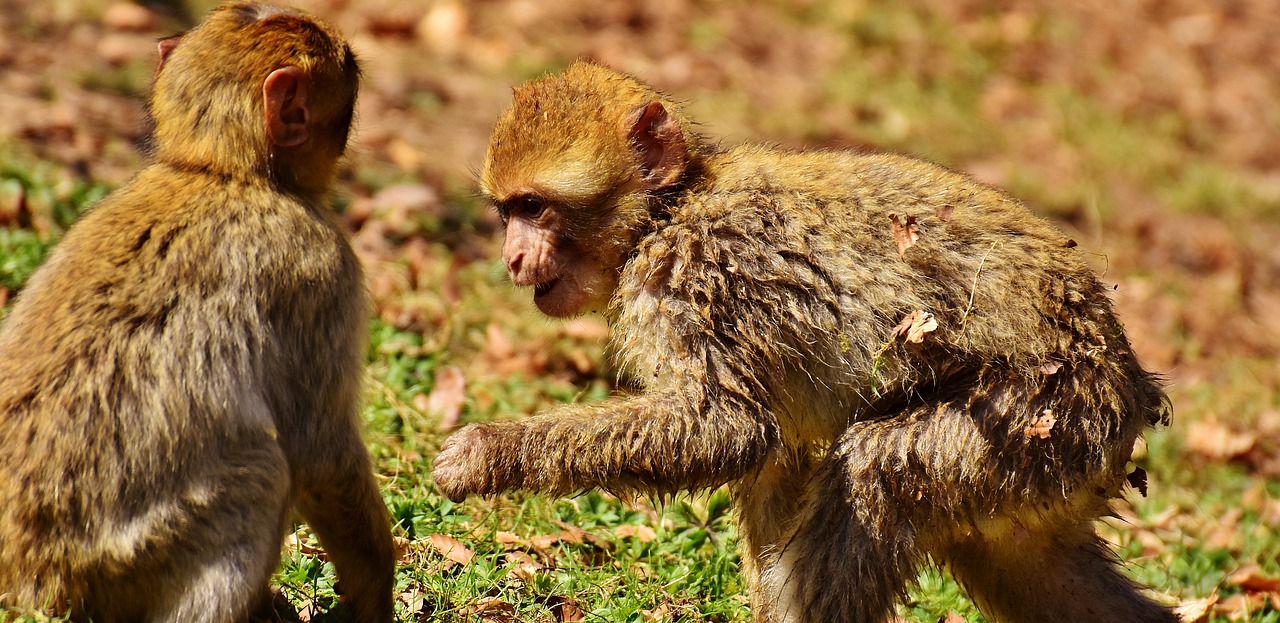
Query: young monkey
{"x": 886, "y": 361}
{"x": 186, "y": 367}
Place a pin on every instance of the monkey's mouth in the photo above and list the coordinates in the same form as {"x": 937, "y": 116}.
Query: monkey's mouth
{"x": 543, "y": 288}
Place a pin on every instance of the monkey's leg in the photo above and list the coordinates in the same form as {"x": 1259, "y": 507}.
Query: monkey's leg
{"x": 766, "y": 504}
{"x": 852, "y": 548}
{"x": 1064, "y": 573}
{"x": 339, "y": 499}
{"x": 893, "y": 490}
{"x": 231, "y": 527}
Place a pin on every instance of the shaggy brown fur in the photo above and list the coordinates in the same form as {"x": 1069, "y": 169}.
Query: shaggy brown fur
{"x": 779, "y": 328}
{"x": 186, "y": 366}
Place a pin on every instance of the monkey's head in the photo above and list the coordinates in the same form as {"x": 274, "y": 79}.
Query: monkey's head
{"x": 256, "y": 90}
{"x": 576, "y": 168}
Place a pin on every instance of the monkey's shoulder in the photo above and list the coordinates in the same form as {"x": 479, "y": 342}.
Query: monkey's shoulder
{"x": 158, "y": 250}
{"x": 865, "y": 186}
{"x": 212, "y": 226}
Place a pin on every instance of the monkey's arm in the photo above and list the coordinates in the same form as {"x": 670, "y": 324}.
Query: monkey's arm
{"x": 688, "y": 436}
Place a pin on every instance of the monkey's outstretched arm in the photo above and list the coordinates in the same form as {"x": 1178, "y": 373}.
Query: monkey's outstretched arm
{"x": 691, "y": 437}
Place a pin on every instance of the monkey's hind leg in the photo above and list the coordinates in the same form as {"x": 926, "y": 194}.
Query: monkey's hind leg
{"x": 892, "y": 491}
{"x": 766, "y": 504}
{"x": 1060, "y": 574}
{"x": 227, "y": 547}
{"x": 853, "y": 547}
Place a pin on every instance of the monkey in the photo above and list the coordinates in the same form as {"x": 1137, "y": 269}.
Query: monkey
{"x": 185, "y": 368}
{"x": 888, "y": 363}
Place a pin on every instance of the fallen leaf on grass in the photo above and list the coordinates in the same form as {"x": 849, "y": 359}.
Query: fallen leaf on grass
{"x": 943, "y": 212}
{"x": 1041, "y": 426}
{"x": 413, "y": 600}
{"x": 491, "y": 610}
{"x": 1196, "y": 610}
{"x": 451, "y": 549}
{"x": 1216, "y": 440}
{"x": 644, "y": 534}
{"x": 1241, "y": 606}
{"x": 523, "y": 566}
{"x": 503, "y": 537}
{"x": 1251, "y": 578}
{"x": 661, "y": 613}
{"x": 403, "y": 547}
{"x": 1224, "y": 531}
{"x": 915, "y": 325}
{"x": 954, "y": 617}
{"x": 905, "y": 233}
{"x": 564, "y": 609}
{"x": 447, "y": 397}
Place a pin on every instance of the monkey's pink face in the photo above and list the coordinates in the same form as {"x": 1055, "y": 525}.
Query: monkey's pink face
{"x": 567, "y": 280}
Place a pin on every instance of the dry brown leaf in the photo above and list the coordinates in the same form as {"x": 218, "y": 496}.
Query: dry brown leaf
{"x": 1041, "y": 425}
{"x": 644, "y": 534}
{"x": 564, "y": 608}
{"x": 661, "y": 613}
{"x": 451, "y": 548}
{"x": 1216, "y": 440}
{"x": 402, "y": 547}
{"x": 509, "y": 538}
{"x": 523, "y": 566}
{"x": 448, "y": 396}
{"x": 1196, "y": 610}
{"x": 905, "y": 233}
{"x": 915, "y": 325}
{"x": 574, "y": 534}
{"x": 1050, "y": 367}
{"x": 1240, "y": 606}
{"x": 1224, "y": 531}
{"x": 1251, "y": 578}
{"x": 943, "y": 212}
{"x": 491, "y": 610}
{"x": 954, "y": 617}
{"x": 413, "y": 600}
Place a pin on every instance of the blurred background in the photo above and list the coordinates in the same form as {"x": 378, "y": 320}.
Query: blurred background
{"x": 1149, "y": 129}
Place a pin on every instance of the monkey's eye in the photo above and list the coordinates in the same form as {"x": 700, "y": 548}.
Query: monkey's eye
{"x": 527, "y": 207}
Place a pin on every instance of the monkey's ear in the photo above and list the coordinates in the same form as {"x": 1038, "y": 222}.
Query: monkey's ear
{"x": 284, "y": 95}
{"x": 658, "y": 141}
{"x": 165, "y": 46}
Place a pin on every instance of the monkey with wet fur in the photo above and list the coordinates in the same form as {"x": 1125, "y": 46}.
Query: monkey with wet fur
{"x": 187, "y": 365}
{"x": 886, "y": 361}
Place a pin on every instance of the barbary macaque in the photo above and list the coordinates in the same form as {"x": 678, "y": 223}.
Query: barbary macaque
{"x": 887, "y": 362}
{"x": 186, "y": 367}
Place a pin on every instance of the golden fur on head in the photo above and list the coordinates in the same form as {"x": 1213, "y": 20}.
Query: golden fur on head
{"x": 573, "y": 120}
{"x": 207, "y": 99}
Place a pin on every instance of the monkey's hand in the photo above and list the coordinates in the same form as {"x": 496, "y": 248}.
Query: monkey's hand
{"x": 472, "y": 461}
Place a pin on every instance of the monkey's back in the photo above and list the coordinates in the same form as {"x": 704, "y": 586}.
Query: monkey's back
{"x": 132, "y": 402}
{"x": 791, "y": 259}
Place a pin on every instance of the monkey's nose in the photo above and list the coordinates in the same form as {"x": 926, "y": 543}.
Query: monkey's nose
{"x": 513, "y": 264}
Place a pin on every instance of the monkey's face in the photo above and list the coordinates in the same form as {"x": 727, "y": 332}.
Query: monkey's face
{"x": 543, "y": 249}
{"x": 572, "y": 167}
